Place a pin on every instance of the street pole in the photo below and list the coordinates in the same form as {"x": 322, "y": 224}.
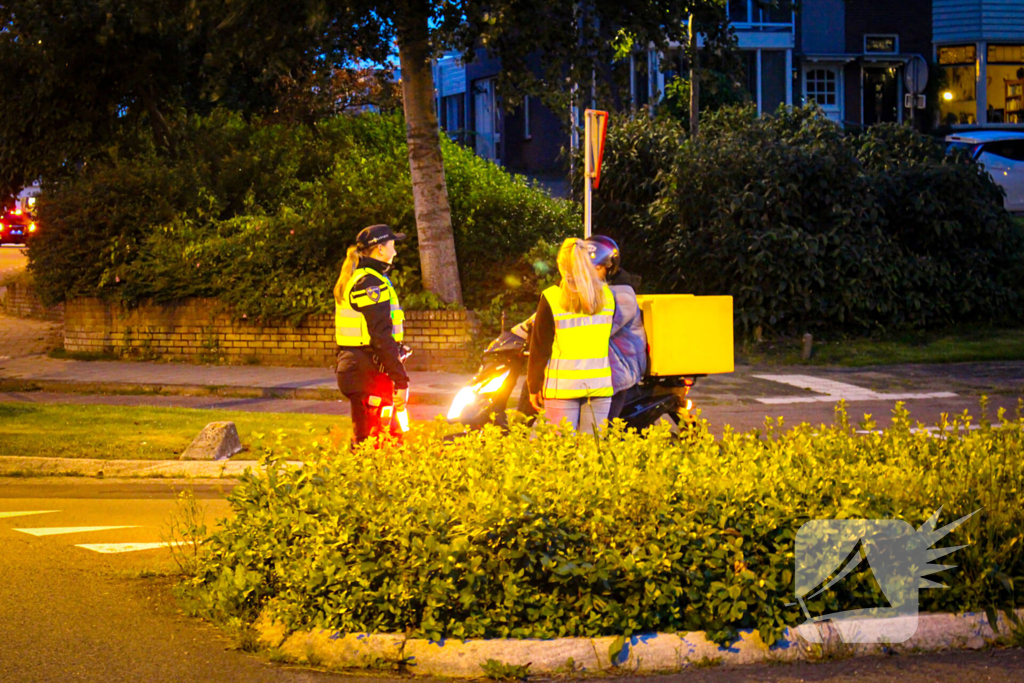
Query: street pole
{"x": 587, "y": 177}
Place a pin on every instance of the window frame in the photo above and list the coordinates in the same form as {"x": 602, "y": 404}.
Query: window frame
{"x": 831, "y": 70}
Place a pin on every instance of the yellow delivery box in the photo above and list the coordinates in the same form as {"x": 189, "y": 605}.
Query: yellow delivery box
{"x": 687, "y": 334}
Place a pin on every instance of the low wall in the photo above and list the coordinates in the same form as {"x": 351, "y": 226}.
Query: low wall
{"x": 203, "y": 330}
{"x": 20, "y": 301}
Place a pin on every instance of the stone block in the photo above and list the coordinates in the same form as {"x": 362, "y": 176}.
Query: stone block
{"x": 217, "y": 441}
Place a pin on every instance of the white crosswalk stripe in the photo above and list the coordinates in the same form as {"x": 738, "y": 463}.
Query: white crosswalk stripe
{"x": 5, "y": 515}
{"x": 831, "y": 391}
{"x": 58, "y": 530}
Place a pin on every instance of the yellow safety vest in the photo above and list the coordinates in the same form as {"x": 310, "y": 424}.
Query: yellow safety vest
{"x": 579, "y": 365}
{"x": 350, "y": 325}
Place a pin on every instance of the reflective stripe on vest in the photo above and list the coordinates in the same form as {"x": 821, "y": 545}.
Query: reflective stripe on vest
{"x": 579, "y": 365}
{"x": 350, "y": 325}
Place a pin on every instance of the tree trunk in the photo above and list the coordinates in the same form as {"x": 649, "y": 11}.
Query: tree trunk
{"x": 429, "y": 191}
{"x": 161, "y": 131}
{"x": 694, "y": 81}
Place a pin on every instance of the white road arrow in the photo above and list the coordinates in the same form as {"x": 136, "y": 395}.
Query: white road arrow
{"x": 126, "y": 547}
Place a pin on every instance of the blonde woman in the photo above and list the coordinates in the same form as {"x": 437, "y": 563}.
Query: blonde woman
{"x": 369, "y": 328}
{"x": 569, "y": 375}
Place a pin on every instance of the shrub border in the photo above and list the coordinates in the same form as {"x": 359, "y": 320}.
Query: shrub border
{"x": 642, "y": 653}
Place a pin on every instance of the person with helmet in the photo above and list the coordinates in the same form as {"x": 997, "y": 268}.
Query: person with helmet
{"x": 568, "y": 375}
{"x": 369, "y": 328}
{"x": 627, "y": 350}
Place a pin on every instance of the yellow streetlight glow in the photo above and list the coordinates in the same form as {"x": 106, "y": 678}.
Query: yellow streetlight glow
{"x": 948, "y": 96}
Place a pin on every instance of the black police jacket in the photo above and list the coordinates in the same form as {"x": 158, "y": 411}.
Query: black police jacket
{"x": 359, "y": 368}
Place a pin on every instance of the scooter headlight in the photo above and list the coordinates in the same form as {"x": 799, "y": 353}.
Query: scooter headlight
{"x": 492, "y": 385}
{"x": 464, "y": 398}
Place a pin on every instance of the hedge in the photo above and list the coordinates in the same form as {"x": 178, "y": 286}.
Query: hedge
{"x": 538, "y": 536}
{"x": 260, "y": 216}
{"x": 810, "y": 227}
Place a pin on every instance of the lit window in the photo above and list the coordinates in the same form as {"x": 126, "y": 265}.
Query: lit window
{"x": 1005, "y": 54}
{"x": 882, "y": 44}
{"x": 957, "y": 54}
{"x": 821, "y": 87}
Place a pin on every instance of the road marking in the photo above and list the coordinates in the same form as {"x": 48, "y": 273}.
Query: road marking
{"x": 5, "y": 515}
{"x": 56, "y": 530}
{"x": 833, "y": 391}
{"x": 126, "y": 547}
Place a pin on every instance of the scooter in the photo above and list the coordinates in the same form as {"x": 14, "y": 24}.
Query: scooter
{"x": 485, "y": 399}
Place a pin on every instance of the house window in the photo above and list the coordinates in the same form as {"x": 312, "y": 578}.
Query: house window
{"x": 820, "y": 86}
{"x": 882, "y": 44}
{"x": 1006, "y": 54}
{"x": 957, "y": 54}
{"x": 739, "y": 11}
{"x": 958, "y": 100}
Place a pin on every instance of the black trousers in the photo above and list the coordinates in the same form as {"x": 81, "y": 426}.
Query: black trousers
{"x": 619, "y": 401}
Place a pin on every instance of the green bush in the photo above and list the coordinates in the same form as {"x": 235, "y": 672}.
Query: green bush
{"x": 260, "y": 216}
{"x": 539, "y": 536}
{"x": 809, "y": 227}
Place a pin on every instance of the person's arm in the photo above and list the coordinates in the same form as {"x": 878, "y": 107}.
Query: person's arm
{"x": 626, "y": 307}
{"x": 378, "y": 323}
{"x": 542, "y": 338}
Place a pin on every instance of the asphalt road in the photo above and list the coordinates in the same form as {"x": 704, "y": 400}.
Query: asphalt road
{"x": 68, "y": 613}
{"x": 12, "y": 259}
{"x": 71, "y": 614}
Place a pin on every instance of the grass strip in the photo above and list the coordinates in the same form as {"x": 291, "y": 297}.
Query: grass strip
{"x": 146, "y": 433}
{"x": 948, "y": 346}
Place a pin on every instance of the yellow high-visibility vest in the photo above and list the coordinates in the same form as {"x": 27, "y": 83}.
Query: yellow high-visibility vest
{"x": 579, "y": 365}
{"x": 350, "y": 325}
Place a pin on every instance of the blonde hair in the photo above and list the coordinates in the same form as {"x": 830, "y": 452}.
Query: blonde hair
{"x": 582, "y": 288}
{"x": 347, "y": 268}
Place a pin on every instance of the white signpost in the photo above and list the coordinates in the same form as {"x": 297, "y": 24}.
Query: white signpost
{"x": 915, "y": 77}
{"x": 596, "y": 125}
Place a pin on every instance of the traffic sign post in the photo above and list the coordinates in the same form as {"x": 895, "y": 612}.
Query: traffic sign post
{"x": 915, "y": 78}
{"x": 595, "y": 128}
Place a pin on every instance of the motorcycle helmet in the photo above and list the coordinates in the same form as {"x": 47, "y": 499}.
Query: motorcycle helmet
{"x": 604, "y": 252}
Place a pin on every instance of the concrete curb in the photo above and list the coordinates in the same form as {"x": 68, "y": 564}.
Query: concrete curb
{"x": 645, "y": 653}
{"x": 419, "y": 397}
{"x": 125, "y": 469}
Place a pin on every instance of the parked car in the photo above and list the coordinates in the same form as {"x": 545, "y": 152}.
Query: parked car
{"x": 16, "y": 226}
{"x": 1002, "y": 154}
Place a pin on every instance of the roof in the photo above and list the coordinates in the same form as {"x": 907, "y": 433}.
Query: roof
{"x": 985, "y": 136}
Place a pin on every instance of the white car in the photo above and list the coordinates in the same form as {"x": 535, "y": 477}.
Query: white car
{"x": 1002, "y": 154}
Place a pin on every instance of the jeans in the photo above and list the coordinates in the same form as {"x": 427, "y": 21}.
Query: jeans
{"x": 583, "y": 414}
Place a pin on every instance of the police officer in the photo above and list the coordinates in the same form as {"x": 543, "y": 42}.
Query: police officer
{"x": 369, "y": 328}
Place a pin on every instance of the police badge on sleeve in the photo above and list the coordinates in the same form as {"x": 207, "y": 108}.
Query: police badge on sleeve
{"x": 373, "y": 293}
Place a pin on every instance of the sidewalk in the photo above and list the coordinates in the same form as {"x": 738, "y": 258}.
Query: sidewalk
{"x": 241, "y": 381}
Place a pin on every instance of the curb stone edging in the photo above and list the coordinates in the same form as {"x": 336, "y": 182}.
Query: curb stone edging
{"x": 12, "y": 465}
{"x": 642, "y": 653}
{"x": 421, "y": 397}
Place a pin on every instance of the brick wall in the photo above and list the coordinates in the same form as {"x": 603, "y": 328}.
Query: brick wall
{"x": 20, "y": 301}
{"x": 203, "y": 330}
